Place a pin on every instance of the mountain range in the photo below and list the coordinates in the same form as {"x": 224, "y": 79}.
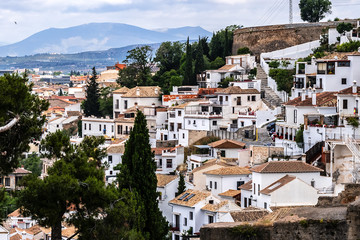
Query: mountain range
{"x": 96, "y": 37}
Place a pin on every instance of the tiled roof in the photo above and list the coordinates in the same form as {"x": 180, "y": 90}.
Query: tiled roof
{"x": 230, "y": 193}
{"x": 237, "y": 90}
{"x": 349, "y": 91}
{"x": 285, "y": 167}
{"x": 338, "y": 55}
{"x": 15, "y": 213}
{"x": 226, "y": 143}
{"x": 16, "y": 237}
{"x": 236, "y": 170}
{"x": 164, "y": 179}
{"x": 197, "y": 196}
{"x": 214, "y": 207}
{"x": 33, "y": 230}
{"x": 121, "y": 90}
{"x": 248, "y": 215}
{"x": 69, "y": 231}
{"x": 227, "y": 67}
{"x": 137, "y": 92}
{"x": 158, "y": 150}
{"x": 278, "y": 184}
{"x": 246, "y": 186}
{"x": 210, "y": 163}
{"x": 323, "y": 99}
{"x": 21, "y": 171}
{"x": 116, "y": 148}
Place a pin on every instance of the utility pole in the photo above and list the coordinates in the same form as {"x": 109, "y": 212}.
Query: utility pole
{"x": 290, "y": 11}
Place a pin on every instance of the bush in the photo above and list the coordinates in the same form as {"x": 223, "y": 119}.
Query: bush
{"x": 274, "y": 64}
{"x": 243, "y": 50}
{"x": 349, "y": 46}
{"x": 344, "y": 27}
{"x": 284, "y": 78}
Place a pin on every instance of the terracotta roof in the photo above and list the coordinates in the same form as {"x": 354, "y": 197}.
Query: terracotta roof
{"x": 226, "y": 143}
{"x": 323, "y": 99}
{"x": 21, "y": 171}
{"x": 164, "y": 179}
{"x": 116, "y": 148}
{"x": 121, "y": 90}
{"x": 16, "y": 237}
{"x": 214, "y": 207}
{"x": 33, "y": 230}
{"x": 227, "y": 67}
{"x": 246, "y": 186}
{"x": 158, "y": 151}
{"x": 139, "y": 92}
{"x": 349, "y": 91}
{"x": 285, "y": 167}
{"x": 338, "y": 55}
{"x": 236, "y": 170}
{"x": 69, "y": 231}
{"x": 278, "y": 184}
{"x": 230, "y": 193}
{"x": 185, "y": 199}
{"x": 237, "y": 90}
{"x": 210, "y": 163}
{"x": 248, "y": 215}
{"x": 15, "y": 213}
{"x": 180, "y": 106}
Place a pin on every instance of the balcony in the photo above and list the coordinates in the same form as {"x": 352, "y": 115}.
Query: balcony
{"x": 252, "y": 113}
{"x": 200, "y": 157}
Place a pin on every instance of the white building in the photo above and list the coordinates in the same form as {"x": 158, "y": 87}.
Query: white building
{"x": 92, "y": 126}
{"x": 114, "y": 156}
{"x": 226, "y": 148}
{"x": 271, "y": 176}
{"x": 168, "y": 159}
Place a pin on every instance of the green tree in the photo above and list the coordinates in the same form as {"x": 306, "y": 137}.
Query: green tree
{"x": 243, "y": 50}
{"x": 79, "y": 125}
{"x": 137, "y": 173}
{"x": 217, "y": 63}
{"x": 348, "y": 47}
{"x": 71, "y": 84}
{"x": 188, "y": 69}
{"x": 199, "y": 59}
{"x": 92, "y": 105}
{"x": 205, "y": 46}
{"x": 21, "y": 119}
{"x": 106, "y": 102}
{"x": 299, "y": 136}
{"x": 274, "y": 64}
{"x": 181, "y": 185}
{"x": 314, "y": 10}
{"x": 221, "y": 42}
{"x": 344, "y": 27}
{"x": 225, "y": 82}
{"x": 55, "y": 145}
{"x": 170, "y": 79}
{"x": 8, "y": 203}
{"x": 138, "y": 70}
{"x": 283, "y": 77}
{"x": 169, "y": 55}
{"x": 32, "y": 163}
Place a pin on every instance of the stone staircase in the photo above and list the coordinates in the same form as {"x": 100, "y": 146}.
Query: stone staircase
{"x": 271, "y": 98}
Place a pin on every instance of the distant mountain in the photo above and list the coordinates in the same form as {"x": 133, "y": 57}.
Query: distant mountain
{"x": 95, "y": 37}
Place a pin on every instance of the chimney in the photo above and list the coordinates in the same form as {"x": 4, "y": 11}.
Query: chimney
{"x": 354, "y": 87}
{"x": 303, "y": 95}
{"x": 138, "y": 92}
{"x": 156, "y": 91}
{"x": 313, "y": 100}
{"x": 313, "y": 60}
{"x": 292, "y": 91}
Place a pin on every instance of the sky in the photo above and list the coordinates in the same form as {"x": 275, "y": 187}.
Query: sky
{"x": 21, "y": 18}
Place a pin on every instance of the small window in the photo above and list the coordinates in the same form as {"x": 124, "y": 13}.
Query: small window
{"x": 85, "y": 126}
{"x": 169, "y": 163}
{"x": 89, "y": 126}
{"x": 254, "y": 188}
{"x": 345, "y": 104}
{"x": 211, "y": 219}
{"x": 7, "y": 182}
{"x": 215, "y": 185}
{"x": 343, "y": 81}
{"x": 210, "y": 184}
{"x": 248, "y": 98}
{"x": 214, "y": 123}
{"x": 194, "y": 122}
{"x": 100, "y": 127}
{"x": 222, "y": 153}
{"x": 112, "y": 128}
{"x": 179, "y": 113}
{"x": 343, "y": 64}
{"x": 185, "y": 221}
{"x": 189, "y": 122}
{"x": 104, "y": 127}
{"x": 253, "y": 98}
{"x": 110, "y": 172}
{"x": 110, "y": 159}
{"x": 191, "y": 215}
{"x": 295, "y": 116}
{"x": 265, "y": 205}
{"x": 258, "y": 189}
{"x": 226, "y": 98}
{"x": 183, "y": 135}
{"x": 239, "y": 183}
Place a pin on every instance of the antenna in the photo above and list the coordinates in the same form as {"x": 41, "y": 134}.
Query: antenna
{"x": 290, "y": 11}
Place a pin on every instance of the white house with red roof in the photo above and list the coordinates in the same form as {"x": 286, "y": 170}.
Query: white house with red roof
{"x": 271, "y": 176}
{"x": 167, "y": 159}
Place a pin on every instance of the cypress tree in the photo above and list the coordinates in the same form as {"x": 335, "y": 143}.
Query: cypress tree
{"x": 188, "y": 74}
{"x": 91, "y": 104}
{"x": 199, "y": 60}
{"x": 226, "y": 44}
{"x": 137, "y": 173}
{"x": 181, "y": 185}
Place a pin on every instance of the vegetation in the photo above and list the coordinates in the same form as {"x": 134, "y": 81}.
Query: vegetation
{"x": 217, "y": 63}
{"x": 246, "y": 231}
{"x": 225, "y": 82}
{"x": 283, "y": 78}
{"x": 243, "y": 50}
{"x": 91, "y": 105}
{"x": 181, "y": 185}
{"x": 32, "y": 163}
{"x": 106, "y": 102}
{"x": 8, "y": 203}
{"x": 353, "y": 121}
{"x": 274, "y": 64}
{"x": 348, "y": 47}
{"x": 188, "y": 67}
{"x": 137, "y": 174}
{"x": 21, "y": 119}
{"x": 343, "y": 27}
{"x": 299, "y": 136}
{"x": 314, "y": 10}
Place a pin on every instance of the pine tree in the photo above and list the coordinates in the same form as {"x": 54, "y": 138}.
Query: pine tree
{"x": 181, "y": 185}
{"x": 91, "y": 104}
{"x": 199, "y": 60}
{"x": 188, "y": 74}
{"x": 137, "y": 173}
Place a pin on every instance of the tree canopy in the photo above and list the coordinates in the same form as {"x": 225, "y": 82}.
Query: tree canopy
{"x": 314, "y": 10}
{"x": 21, "y": 119}
{"x": 92, "y": 105}
{"x": 344, "y": 27}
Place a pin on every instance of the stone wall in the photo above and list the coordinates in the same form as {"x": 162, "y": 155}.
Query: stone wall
{"x": 271, "y": 38}
{"x": 260, "y": 154}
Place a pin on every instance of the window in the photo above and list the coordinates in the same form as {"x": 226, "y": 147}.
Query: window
{"x": 169, "y": 163}
{"x": 295, "y": 116}
{"x": 85, "y": 126}
{"x": 254, "y": 188}
{"x": 179, "y": 113}
{"x": 185, "y": 221}
{"x": 249, "y": 202}
{"x": 191, "y": 215}
{"x": 214, "y": 123}
{"x": 248, "y": 98}
{"x": 104, "y": 127}
{"x": 208, "y": 75}
{"x": 222, "y": 153}
{"x": 89, "y": 126}
{"x": 242, "y": 123}
{"x": 258, "y": 189}
{"x": 321, "y": 68}
{"x": 238, "y": 101}
{"x": 239, "y": 183}
{"x": 226, "y": 98}
{"x": 183, "y": 135}
{"x": 171, "y": 126}
{"x": 215, "y": 185}
{"x": 7, "y": 182}
{"x": 110, "y": 159}
{"x": 211, "y": 219}
{"x": 265, "y": 205}
{"x": 210, "y": 184}
{"x": 100, "y": 127}
{"x": 345, "y": 104}
{"x": 253, "y": 98}
{"x": 112, "y": 128}
{"x": 110, "y": 172}
{"x": 245, "y": 202}
{"x": 330, "y": 68}
{"x": 194, "y": 122}
{"x": 179, "y": 126}
{"x": 160, "y": 163}
{"x": 343, "y": 81}
{"x": 125, "y": 104}
{"x": 189, "y": 122}
{"x": 117, "y": 104}
{"x": 343, "y": 64}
